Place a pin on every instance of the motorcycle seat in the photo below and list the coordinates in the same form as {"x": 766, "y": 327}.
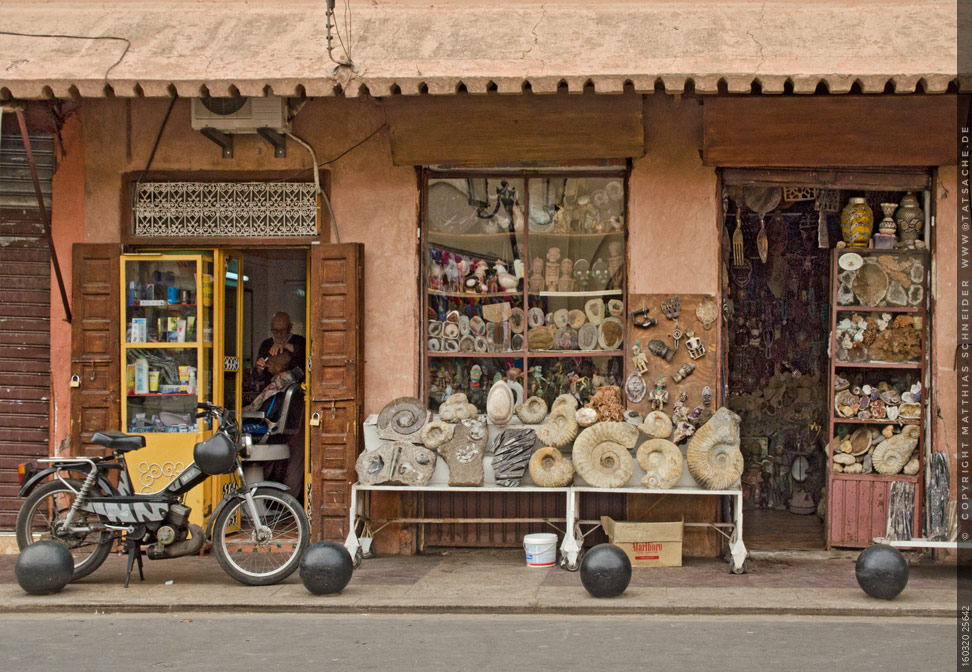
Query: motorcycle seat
{"x": 118, "y": 441}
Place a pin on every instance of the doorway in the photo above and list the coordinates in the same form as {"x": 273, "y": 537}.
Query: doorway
{"x": 271, "y": 291}
{"x": 777, "y": 369}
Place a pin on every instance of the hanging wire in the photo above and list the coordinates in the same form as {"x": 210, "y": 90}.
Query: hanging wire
{"x": 128, "y": 43}
{"x": 317, "y": 183}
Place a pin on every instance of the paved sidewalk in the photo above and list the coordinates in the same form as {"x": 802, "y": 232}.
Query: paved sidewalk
{"x": 497, "y": 581}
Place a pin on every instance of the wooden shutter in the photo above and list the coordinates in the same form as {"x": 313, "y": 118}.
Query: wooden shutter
{"x": 337, "y": 382}
{"x": 96, "y": 401}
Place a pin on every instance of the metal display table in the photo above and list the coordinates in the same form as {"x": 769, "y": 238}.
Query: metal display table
{"x": 363, "y": 526}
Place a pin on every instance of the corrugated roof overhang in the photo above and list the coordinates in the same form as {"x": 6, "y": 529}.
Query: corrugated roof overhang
{"x": 223, "y": 47}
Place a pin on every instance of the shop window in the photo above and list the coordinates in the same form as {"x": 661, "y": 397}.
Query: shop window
{"x": 224, "y": 209}
{"x": 525, "y": 281}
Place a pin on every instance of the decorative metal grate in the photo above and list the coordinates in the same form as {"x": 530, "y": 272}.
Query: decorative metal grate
{"x": 231, "y": 363}
{"x": 225, "y": 209}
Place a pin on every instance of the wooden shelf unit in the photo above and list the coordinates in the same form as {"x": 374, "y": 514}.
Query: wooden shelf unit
{"x": 857, "y": 504}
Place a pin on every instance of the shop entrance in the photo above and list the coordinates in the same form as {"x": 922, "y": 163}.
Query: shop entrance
{"x": 273, "y": 360}
{"x": 220, "y": 310}
{"x": 777, "y": 334}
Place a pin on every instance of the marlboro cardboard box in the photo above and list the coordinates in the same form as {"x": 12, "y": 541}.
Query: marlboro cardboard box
{"x": 647, "y": 544}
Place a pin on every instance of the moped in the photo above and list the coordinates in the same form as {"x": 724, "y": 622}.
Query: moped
{"x": 258, "y": 531}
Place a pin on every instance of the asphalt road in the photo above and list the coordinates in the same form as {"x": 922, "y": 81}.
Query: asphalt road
{"x": 99, "y": 642}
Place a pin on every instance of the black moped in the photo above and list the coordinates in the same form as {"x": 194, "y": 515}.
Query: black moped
{"x": 258, "y": 531}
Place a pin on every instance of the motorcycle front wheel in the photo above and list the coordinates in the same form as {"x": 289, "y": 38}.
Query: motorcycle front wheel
{"x": 47, "y": 506}
{"x": 265, "y": 552}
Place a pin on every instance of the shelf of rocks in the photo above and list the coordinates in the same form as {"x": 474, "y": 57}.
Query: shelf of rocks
{"x": 879, "y": 309}
{"x": 473, "y": 295}
{"x": 878, "y": 365}
{"x": 532, "y": 353}
{"x": 875, "y": 421}
{"x": 840, "y": 475}
{"x": 593, "y": 292}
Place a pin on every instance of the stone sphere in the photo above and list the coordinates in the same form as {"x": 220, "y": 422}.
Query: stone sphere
{"x": 882, "y": 571}
{"x": 326, "y": 568}
{"x": 605, "y": 571}
{"x": 44, "y": 568}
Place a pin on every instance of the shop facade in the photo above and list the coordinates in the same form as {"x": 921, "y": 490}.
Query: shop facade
{"x": 659, "y": 165}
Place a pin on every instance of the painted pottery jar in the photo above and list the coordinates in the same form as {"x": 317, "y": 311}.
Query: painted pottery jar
{"x": 910, "y": 218}
{"x": 856, "y": 222}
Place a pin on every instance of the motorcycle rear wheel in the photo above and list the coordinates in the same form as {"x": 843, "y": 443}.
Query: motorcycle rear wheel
{"x": 257, "y": 561}
{"x": 50, "y": 503}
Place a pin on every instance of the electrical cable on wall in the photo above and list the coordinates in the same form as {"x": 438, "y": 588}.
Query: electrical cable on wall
{"x": 128, "y": 43}
{"x": 317, "y": 183}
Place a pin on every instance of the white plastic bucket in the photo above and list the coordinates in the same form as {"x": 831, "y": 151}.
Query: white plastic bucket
{"x": 541, "y": 549}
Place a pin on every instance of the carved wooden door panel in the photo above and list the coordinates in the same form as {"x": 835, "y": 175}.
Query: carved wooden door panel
{"x": 336, "y": 371}
{"x": 96, "y": 382}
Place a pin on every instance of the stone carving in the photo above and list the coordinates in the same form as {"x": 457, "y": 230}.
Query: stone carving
{"x": 602, "y": 454}
{"x": 457, "y": 408}
{"x": 713, "y": 455}
{"x": 662, "y": 461}
{"x": 461, "y": 445}
{"x": 500, "y": 403}
{"x": 396, "y": 463}
{"x": 550, "y": 469}
{"x": 511, "y": 453}
{"x": 402, "y": 419}
{"x": 532, "y": 411}
{"x": 657, "y": 425}
{"x": 561, "y": 425}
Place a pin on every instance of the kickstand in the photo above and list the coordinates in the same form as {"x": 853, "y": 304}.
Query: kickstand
{"x": 134, "y": 555}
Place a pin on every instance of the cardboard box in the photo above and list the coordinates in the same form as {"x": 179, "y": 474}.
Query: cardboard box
{"x": 647, "y": 544}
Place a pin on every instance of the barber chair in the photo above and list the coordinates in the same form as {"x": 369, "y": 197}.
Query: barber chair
{"x": 268, "y": 431}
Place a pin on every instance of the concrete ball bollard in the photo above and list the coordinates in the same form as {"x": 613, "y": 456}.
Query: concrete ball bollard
{"x": 44, "y": 568}
{"x": 882, "y": 572}
{"x": 605, "y": 571}
{"x": 326, "y": 568}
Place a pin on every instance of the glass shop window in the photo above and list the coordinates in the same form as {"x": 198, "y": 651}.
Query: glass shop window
{"x": 524, "y": 281}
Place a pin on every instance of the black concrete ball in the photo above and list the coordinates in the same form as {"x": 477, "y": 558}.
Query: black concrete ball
{"x": 326, "y": 568}
{"x": 882, "y": 571}
{"x": 605, "y": 571}
{"x": 44, "y": 568}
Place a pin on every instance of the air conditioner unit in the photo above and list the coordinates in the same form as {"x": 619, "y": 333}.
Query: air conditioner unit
{"x": 240, "y": 114}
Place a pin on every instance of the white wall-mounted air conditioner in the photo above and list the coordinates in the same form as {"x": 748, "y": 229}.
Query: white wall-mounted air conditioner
{"x": 240, "y": 114}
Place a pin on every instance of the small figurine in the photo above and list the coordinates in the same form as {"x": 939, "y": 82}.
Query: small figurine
{"x": 552, "y": 269}
{"x": 694, "y": 345}
{"x": 639, "y": 359}
{"x": 658, "y": 396}
{"x": 566, "y": 282}
{"x": 536, "y": 275}
{"x": 475, "y": 374}
{"x": 684, "y": 371}
{"x": 658, "y": 348}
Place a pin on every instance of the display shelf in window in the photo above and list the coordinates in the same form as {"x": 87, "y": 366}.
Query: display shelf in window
{"x": 499, "y": 249}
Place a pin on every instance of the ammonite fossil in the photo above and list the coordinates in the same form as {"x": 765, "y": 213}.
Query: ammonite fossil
{"x": 550, "y": 469}
{"x": 713, "y": 455}
{"x": 602, "y": 454}
{"x": 662, "y": 461}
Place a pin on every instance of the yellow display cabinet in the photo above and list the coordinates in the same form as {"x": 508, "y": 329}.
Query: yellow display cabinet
{"x": 167, "y": 355}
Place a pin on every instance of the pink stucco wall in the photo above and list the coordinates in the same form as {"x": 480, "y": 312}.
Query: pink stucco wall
{"x": 67, "y": 225}
{"x": 673, "y": 231}
{"x": 944, "y": 336}
{"x": 375, "y": 203}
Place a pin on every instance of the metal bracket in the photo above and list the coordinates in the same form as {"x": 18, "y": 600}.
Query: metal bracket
{"x": 224, "y": 140}
{"x": 278, "y": 140}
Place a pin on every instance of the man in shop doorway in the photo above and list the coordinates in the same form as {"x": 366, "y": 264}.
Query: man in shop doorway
{"x": 290, "y": 472}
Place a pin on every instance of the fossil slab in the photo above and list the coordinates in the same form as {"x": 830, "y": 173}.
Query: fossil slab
{"x": 398, "y": 463}
{"x": 402, "y": 419}
{"x": 462, "y": 451}
{"x": 456, "y": 408}
{"x": 511, "y": 450}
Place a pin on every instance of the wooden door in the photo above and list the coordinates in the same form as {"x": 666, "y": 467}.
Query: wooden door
{"x": 95, "y": 395}
{"x": 336, "y": 372}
